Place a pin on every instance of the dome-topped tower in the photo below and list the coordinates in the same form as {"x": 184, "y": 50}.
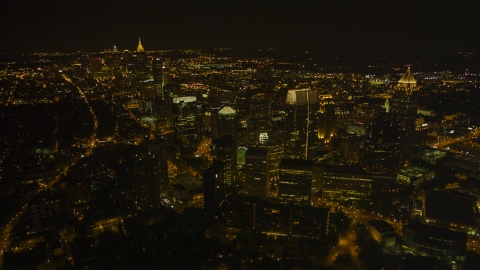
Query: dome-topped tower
{"x": 140, "y": 47}
{"x": 407, "y": 82}
{"x": 404, "y": 105}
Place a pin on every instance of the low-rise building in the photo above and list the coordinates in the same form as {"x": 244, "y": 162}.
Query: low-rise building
{"x": 382, "y": 232}
{"x": 414, "y": 176}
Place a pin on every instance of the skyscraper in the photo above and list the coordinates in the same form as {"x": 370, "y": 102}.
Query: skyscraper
{"x": 257, "y": 172}
{"x": 160, "y": 74}
{"x": 140, "y": 62}
{"x": 225, "y": 149}
{"x": 326, "y": 119}
{"x": 187, "y": 121}
{"x": 225, "y": 124}
{"x": 302, "y": 106}
{"x": 404, "y": 106}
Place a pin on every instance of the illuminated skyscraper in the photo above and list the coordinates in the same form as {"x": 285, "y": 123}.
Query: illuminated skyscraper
{"x": 326, "y": 119}
{"x": 404, "y": 106}
{"x": 301, "y": 122}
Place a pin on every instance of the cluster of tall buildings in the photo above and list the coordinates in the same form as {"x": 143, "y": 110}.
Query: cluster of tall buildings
{"x": 292, "y": 163}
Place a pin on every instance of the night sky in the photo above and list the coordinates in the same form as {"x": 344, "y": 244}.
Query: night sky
{"x": 375, "y": 27}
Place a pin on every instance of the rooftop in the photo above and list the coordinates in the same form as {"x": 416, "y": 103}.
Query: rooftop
{"x": 434, "y": 231}
{"x": 381, "y": 225}
{"x": 446, "y": 206}
{"x": 300, "y": 164}
{"x": 227, "y": 110}
{"x": 414, "y": 171}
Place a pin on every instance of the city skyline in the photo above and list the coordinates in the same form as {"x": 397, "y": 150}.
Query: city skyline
{"x": 350, "y": 28}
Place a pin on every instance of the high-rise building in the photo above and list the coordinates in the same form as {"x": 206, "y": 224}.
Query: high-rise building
{"x": 404, "y": 106}
{"x": 302, "y": 106}
{"x": 242, "y": 102}
{"x": 275, "y": 142}
{"x": 326, "y": 119}
{"x": 225, "y": 124}
{"x": 257, "y": 172}
{"x": 187, "y": 121}
{"x": 160, "y": 73}
{"x": 297, "y": 176}
{"x": 225, "y": 149}
{"x": 383, "y": 144}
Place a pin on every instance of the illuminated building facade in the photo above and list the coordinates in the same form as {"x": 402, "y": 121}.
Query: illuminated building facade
{"x": 302, "y": 106}
{"x": 326, "y": 120}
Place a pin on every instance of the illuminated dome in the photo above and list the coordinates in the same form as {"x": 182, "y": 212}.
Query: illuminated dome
{"x": 140, "y": 47}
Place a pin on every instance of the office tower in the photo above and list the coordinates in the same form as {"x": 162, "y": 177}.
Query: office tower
{"x": 225, "y": 123}
{"x": 186, "y": 120}
{"x": 326, "y": 119}
{"x": 242, "y": 102}
{"x": 404, "y": 106}
{"x": 225, "y": 149}
{"x": 297, "y": 176}
{"x": 257, "y": 172}
{"x": 212, "y": 181}
{"x": 160, "y": 73}
{"x": 302, "y": 106}
{"x": 383, "y": 143}
{"x": 275, "y": 142}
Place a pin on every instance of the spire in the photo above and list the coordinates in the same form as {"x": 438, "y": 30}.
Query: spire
{"x": 140, "y": 47}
